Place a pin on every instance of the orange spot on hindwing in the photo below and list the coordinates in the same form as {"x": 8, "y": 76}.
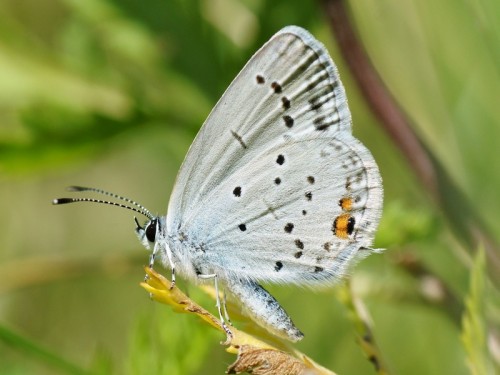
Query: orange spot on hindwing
{"x": 346, "y": 203}
{"x": 343, "y": 226}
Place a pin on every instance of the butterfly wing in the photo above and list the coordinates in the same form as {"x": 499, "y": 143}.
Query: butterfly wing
{"x": 275, "y": 187}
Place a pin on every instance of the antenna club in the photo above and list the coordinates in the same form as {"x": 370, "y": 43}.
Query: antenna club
{"x": 62, "y": 201}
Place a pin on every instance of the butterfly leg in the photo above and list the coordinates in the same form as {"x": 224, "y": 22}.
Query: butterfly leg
{"x": 263, "y": 308}
{"x": 152, "y": 259}
{"x": 214, "y": 276}
{"x": 224, "y": 306}
{"x": 172, "y": 266}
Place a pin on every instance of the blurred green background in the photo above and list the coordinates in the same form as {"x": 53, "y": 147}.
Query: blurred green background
{"x": 111, "y": 93}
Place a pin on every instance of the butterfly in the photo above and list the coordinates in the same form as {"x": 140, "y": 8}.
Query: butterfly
{"x": 274, "y": 188}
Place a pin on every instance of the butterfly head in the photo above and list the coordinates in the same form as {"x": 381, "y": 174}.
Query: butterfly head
{"x": 148, "y": 233}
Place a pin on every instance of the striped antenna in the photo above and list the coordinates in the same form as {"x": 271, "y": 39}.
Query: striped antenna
{"x": 138, "y": 207}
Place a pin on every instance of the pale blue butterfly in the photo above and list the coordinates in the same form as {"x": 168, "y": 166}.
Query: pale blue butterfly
{"x": 274, "y": 188}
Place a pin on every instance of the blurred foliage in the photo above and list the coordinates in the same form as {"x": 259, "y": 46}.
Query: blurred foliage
{"x": 474, "y": 331}
{"x": 111, "y": 93}
{"x": 154, "y": 344}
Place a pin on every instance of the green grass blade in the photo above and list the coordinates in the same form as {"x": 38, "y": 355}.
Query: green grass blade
{"x": 474, "y": 329}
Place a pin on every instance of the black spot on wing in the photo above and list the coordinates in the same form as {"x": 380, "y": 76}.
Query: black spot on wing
{"x": 278, "y": 266}
{"x": 299, "y": 244}
{"x": 350, "y": 225}
{"x": 276, "y": 87}
{"x": 288, "y": 121}
{"x": 286, "y": 102}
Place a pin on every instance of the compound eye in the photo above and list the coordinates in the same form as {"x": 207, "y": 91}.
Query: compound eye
{"x": 151, "y": 230}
